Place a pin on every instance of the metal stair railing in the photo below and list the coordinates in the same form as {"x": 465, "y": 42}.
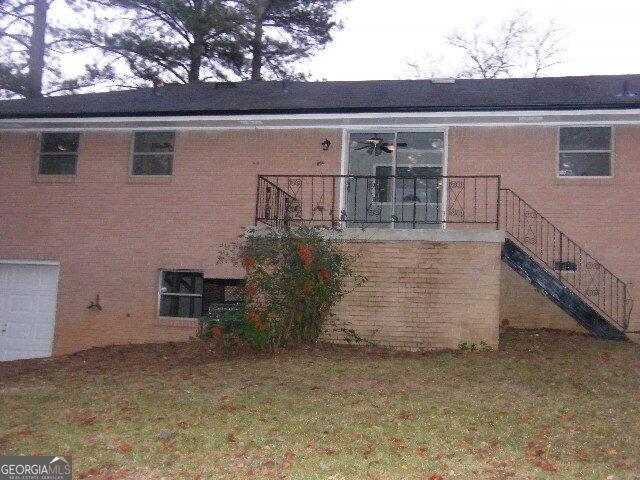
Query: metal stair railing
{"x": 419, "y": 201}
{"x": 567, "y": 260}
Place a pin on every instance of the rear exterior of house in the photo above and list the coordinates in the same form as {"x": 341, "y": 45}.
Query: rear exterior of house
{"x": 501, "y": 201}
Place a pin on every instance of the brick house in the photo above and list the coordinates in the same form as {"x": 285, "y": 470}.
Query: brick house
{"x": 468, "y": 203}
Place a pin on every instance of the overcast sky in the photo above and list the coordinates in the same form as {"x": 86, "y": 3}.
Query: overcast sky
{"x": 379, "y": 35}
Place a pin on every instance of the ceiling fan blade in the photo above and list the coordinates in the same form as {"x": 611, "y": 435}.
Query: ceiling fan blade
{"x": 386, "y": 149}
{"x": 362, "y": 147}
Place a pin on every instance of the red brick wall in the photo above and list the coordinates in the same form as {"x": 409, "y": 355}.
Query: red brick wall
{"x": 111, "y": 235}
{"x": 601, "y": 215}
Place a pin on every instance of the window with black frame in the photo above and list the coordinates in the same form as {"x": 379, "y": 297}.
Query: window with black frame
{"x": 181, "y": 293}
{"x": 58, "y": 153}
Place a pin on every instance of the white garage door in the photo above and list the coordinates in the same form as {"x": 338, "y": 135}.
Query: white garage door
{"x": 27, "y": 309}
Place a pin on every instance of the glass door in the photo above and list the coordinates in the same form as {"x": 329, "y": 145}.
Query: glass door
{"x": 369, "y": 187}
{"x": 393, "y": 180}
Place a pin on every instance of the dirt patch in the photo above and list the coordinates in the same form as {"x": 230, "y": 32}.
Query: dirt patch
{"x": 158, "y": 357}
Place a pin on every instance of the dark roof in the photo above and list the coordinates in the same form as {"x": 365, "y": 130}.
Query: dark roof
{"x": 561, "y": 93}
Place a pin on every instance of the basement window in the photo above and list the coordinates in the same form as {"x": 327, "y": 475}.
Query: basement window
{"x": 58, "y": 154}
{"x": 180, "y": 293}
{"x": 218, "y": 291}
{"x": 584, "y": 152}
{"x": 153, "y": 153}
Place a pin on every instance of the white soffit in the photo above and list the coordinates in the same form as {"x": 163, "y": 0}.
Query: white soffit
{"x": 353, "y": 120}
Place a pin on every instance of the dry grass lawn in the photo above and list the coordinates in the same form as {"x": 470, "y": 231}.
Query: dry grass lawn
{"x": 546, "y": 405}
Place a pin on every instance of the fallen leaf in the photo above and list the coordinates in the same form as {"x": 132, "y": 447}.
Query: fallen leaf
{"x": 126, "y": 448}
{"x": 421, "y": 452}
{"x": 582, "y": 454}
{"x": 546, "y": 465}
{"x": 86, "y": 420}
{"x": 367, "y": 450}
{"x": 231, "y": 438}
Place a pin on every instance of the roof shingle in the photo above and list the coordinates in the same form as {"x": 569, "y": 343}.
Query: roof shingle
{"x": 559, "y": 93}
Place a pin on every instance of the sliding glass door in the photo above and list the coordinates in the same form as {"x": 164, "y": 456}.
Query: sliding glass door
{"x": 393, "y": 179}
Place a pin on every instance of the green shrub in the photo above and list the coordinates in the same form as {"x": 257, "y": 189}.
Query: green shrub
{"x": 294, "y": 277}
{"x": 229, "y": 326}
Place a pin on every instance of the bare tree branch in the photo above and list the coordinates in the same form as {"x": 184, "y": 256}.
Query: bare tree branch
{"x": 516, "y": 48}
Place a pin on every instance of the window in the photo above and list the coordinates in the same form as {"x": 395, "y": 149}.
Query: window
{"x": 153, "y": 153}
{"x": 181, "y": 294}
{"x": 221, "y": 290}
{"x": 58, "y": 153}
{"x": 584, "y": 152}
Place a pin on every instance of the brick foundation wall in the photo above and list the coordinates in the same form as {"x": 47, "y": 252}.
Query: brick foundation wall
{"x": 423, "y": 295}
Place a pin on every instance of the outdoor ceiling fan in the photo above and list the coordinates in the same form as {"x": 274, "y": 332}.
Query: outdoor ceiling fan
{"x": 376, "y": 145}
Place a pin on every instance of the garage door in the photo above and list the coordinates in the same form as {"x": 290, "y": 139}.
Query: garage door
{"x": 27, "y": 309}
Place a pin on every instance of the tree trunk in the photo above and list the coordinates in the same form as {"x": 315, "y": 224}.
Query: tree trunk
{"x": 195, "y": 62}
{"x": 37, "y": 49}
{"x": 196, "y": 49}
{"x": 256, "y": 43}
{"x": 256, "y": 52}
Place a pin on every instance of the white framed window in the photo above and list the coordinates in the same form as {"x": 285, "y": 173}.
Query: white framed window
{"x": 152, "y": 153}
{"x": 180, "y": 293}
{"x": 585, "y": 152}
{"x": 391, "y": 172}
{"x": 58, "y": 153}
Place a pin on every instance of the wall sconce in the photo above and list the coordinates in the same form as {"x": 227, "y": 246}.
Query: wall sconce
{"x": 326, "y": 144}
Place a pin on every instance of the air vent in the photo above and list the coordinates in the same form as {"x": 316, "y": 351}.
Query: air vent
{"x": 443, "y": 80}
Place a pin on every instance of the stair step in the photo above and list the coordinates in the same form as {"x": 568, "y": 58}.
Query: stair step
{"x": 550, "y": 286}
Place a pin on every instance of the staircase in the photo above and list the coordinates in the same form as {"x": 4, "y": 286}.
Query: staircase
{"x": 535, "y": 248}
{"x": 562, "y": 270}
